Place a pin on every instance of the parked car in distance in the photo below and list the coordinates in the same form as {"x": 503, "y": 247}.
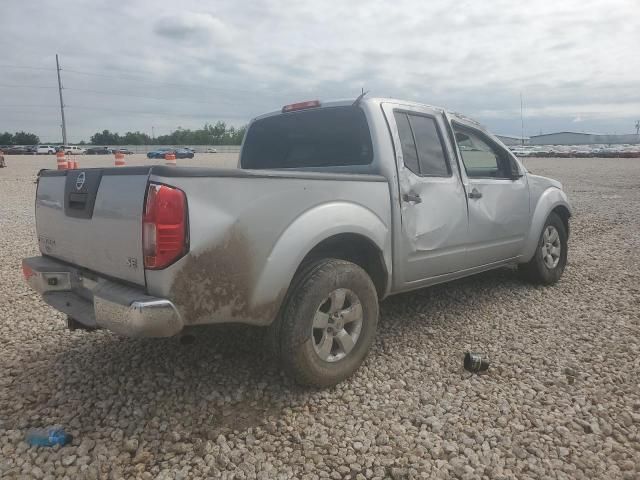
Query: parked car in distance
{"x": 71, "y": 150}
{"x": 333, "y": 206}
{"x": 184, "y": 153}
{"x": 160, "y": 152}
{"x": 99, "y": 151}
{"x": 45, "y": 149}
{"x": 125, "y": 151}
{"x": 179, "y": 152}
{"x": 211, "y": 150}
{"x": 18, "y": 150}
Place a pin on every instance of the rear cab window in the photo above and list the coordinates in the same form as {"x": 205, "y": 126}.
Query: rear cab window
{"x": 422, "y": 146}
{"x": 319, "y": 137}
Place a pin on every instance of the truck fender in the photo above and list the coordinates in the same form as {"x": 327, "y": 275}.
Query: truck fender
{"x": 308, "y": 230}
{"x": 550, "y": 199}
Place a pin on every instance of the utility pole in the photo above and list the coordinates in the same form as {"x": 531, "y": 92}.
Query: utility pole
{"x": 153, "y": 133}
{"x": 64, "y": 124}
{"x": 521, "y": 121}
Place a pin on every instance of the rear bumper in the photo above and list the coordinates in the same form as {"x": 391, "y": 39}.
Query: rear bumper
{"x": 100, "y": 303}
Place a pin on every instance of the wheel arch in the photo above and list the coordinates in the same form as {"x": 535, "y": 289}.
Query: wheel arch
{"x": 552, "y": 200}
{"x": 355, "y": 248}
{"x": 353, "y": 233}
{"x": 565, "y": 214}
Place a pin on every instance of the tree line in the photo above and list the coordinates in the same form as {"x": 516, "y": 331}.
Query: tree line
{"x": 218, "y": 134}
{"x": 19, "y": 138}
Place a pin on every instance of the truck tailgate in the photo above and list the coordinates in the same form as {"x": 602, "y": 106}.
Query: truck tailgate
{"x": 92, "y": 218}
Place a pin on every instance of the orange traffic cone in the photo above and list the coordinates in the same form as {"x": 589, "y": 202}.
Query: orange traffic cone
{"x": 171, "y": 159}
{"x": 119, "y": 159}
{"x": 62, "y": 162}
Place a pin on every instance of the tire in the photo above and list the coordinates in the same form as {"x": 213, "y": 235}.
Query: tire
{"x": 545, "y": 268}
{"x": 328, "y": 323}
{"x": 69, "y": 153}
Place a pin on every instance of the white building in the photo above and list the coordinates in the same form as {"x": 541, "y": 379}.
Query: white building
{"x": 578, "y": 138}
{"x": 513, "y": 140}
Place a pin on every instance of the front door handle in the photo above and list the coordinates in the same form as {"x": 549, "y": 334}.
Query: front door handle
{"x": 475, "y": 193}
{"x": 412, "y": 197}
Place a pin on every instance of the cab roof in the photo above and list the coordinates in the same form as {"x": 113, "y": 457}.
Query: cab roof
{"x": 380, "y": 100}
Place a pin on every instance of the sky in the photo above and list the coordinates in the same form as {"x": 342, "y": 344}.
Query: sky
{"x": 155, "y": 65}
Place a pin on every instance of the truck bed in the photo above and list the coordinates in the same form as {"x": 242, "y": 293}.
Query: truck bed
{"x": 248, "y": 230}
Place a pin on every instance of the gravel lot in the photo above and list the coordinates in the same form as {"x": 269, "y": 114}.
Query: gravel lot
{"x": 561, "y": 399}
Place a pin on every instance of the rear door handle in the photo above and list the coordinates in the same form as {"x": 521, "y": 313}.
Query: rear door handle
{"x": 412, "y": 197}
{"x": 475, "y": 193}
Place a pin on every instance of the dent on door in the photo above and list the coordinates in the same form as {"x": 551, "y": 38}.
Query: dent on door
{"x": 433, "y": 228}
{"x": 427, "y": 231}
{"x": 498, "y": 221}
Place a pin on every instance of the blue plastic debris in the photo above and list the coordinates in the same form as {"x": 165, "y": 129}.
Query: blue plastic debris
{"x": 48, "y": 437}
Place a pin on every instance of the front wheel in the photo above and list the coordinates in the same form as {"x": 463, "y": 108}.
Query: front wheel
{"x": 549, "y": 261}
{"x": 328, "y": 323}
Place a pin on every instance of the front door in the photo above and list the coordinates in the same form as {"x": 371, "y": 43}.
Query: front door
{"x": 432, "y": 197}
{"x": 497, "y": 195}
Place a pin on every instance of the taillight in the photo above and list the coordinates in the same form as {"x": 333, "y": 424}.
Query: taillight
{"x": 164, "y": 226}
{"x": 27, "y": 272}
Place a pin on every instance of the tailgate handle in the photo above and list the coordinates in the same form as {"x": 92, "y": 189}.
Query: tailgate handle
{"x": 77, "y": 201}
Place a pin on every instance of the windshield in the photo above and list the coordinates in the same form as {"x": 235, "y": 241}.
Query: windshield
{"x": 324, "y": 137}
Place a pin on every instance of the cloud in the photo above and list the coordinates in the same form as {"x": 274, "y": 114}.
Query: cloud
{"x": 194, "y": 27}
{"x": 133, "y": 65}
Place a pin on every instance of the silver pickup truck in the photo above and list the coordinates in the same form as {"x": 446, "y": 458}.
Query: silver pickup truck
{"x": 333, "y": 206}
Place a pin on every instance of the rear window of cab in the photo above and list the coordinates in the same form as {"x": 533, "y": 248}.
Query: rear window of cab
{"x": 321, "y": 137}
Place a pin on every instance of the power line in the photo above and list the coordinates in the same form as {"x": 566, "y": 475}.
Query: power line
{"x": 25, "y": 86}
{"x": 132, "y": 112}
{"x": 29, "y": 106}
{"x": 102, "y": 92}
{"x": 172, "y": 84}
{"x": 139, "y": 112}
{"x": 26, "y": 68}
{"x": 136, "y": 79}
{"x": 164, "y": 99}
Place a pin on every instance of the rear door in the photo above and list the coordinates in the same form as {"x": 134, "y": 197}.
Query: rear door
{"x": 433, "y": 205}
{"x": 498, "y": 197}
{"x": 92, "y": 218}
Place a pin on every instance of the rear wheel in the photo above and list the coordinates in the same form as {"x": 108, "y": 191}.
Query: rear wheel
{"x": 328, "y": 323}
{"x": 549, "y": 261}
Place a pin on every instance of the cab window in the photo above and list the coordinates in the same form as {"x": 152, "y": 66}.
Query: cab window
{"x": 421, "y": 143}
{"x": 482, "y": 158}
